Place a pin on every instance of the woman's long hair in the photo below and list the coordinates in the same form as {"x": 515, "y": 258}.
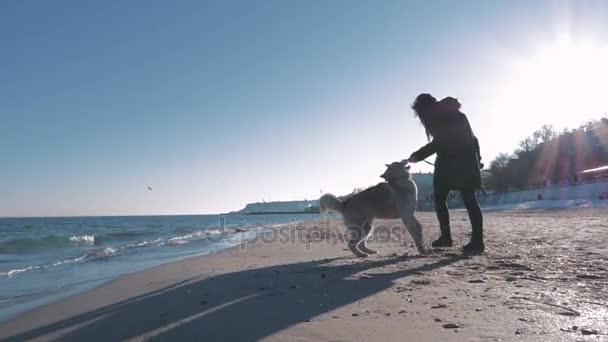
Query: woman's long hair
{"x": 425, "y": 105}
{"x": 421, "y": 107}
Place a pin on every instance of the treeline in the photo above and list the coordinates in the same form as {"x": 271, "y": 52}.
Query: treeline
{"x": 550, "y": 157}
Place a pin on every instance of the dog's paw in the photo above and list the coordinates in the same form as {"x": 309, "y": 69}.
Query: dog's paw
{"x": 368, "y": 251}
{"x": 423, "y": 251}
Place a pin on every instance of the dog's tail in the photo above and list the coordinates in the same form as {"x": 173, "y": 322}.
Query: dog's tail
{"x": 329, "y": 202}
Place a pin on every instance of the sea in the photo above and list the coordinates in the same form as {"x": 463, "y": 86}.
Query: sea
{"x": 45, "y": 259}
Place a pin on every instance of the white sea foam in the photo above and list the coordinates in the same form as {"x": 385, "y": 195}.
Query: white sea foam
{"x": 12, "y": 273}
{"x": 83, "y": 239}
{"x": 214, "y": 231}
{"x": 175, "y": 242}
{"x": 101, "y": 254}
{"x": 97, "y": 255}
{"x": 190, "y": 236}
{"x": 143, "y": 244}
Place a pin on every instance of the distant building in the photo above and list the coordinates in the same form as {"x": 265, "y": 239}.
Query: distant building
{"x": 424, "y": 182}
{"x": 279, "y": 207}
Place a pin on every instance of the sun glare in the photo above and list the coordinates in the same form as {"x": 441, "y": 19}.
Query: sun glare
{"x": 563, "y": 84}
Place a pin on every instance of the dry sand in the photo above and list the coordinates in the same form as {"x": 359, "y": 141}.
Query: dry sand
{"x": 544, "y": 277}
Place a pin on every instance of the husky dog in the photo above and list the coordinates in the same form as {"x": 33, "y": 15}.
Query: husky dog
{"x": 395, "y": 198}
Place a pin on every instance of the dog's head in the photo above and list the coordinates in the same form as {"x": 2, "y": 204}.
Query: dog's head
{"x": 397, "y": 170}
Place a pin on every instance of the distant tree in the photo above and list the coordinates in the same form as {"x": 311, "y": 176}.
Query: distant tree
{"x": 550, "y": 155}
{"x": 528, "y": 144}
{"x": 499, "y": 175}
{"x": 500, "y": 162}
{"x": 545, "y": 134}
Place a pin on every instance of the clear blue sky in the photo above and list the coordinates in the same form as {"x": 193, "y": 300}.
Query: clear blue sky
{"x": 216, "y": 104}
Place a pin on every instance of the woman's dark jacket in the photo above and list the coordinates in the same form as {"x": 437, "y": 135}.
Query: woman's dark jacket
{"x": 457, "y": 148}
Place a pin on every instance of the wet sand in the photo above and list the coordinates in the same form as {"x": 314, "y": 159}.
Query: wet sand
{"x": 544, "y": 277}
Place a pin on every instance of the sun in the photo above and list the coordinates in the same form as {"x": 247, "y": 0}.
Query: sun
{"x": 562, "y": 84}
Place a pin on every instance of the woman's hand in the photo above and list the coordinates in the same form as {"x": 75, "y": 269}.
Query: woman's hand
{"x": 411, "y": 159}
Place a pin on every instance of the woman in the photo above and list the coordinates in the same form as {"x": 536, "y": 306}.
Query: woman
{"x": 457, "y": 166}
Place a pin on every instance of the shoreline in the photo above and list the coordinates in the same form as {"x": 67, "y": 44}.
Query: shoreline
{"x": 40, "y": 282}
{"x": 312, "y": 289}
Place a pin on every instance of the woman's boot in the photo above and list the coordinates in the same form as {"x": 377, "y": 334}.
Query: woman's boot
{"x": 476, "y": 245}
{"x": 445, "y": 240}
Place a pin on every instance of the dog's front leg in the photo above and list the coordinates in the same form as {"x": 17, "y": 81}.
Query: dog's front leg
{"x": 415, "y": 229}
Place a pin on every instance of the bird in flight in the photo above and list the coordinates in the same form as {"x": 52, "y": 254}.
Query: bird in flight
{"x": 149, "y": 188}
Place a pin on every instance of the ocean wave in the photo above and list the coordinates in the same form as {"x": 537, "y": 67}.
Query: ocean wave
{"x": 198, "y": 235}
{"x": 99, "y": 255}
{"x": 184, "y": 230}
{"x": 27, "y": 245}
{"x": 123, "y": 236}
{"x": 14, "y": 272}
{"x": 83, "y": 239}
{"x": 190, "y": 236}
{"x": 144, "y": 244}
{"x": 104, "y": 253}
{"x": 175, "y": 242}
{"x": 32, "y": 245}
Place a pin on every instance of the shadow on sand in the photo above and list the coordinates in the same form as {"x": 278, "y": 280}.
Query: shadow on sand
{"x": 240, "y": 306}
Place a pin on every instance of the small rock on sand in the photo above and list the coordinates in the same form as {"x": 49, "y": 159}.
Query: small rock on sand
{"x": 477, "y": 281}
{"x": 589, "y": 332}
{"x": 421, "y": 281}
{"x": 354, "y": 314}
{"x": 589, "y": 276}
{"x": 451, "y": 326}
{"x": 439, "y": 306}
{"x": 401, "y": 311}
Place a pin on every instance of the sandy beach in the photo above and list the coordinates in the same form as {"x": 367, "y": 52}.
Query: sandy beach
{"x": 544, "y": 277}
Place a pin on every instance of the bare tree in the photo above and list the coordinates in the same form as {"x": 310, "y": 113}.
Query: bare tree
{"x": 545, "y": 133}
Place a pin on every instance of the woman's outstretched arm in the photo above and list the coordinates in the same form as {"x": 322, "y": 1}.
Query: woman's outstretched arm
{"x": 424, "y": 152}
